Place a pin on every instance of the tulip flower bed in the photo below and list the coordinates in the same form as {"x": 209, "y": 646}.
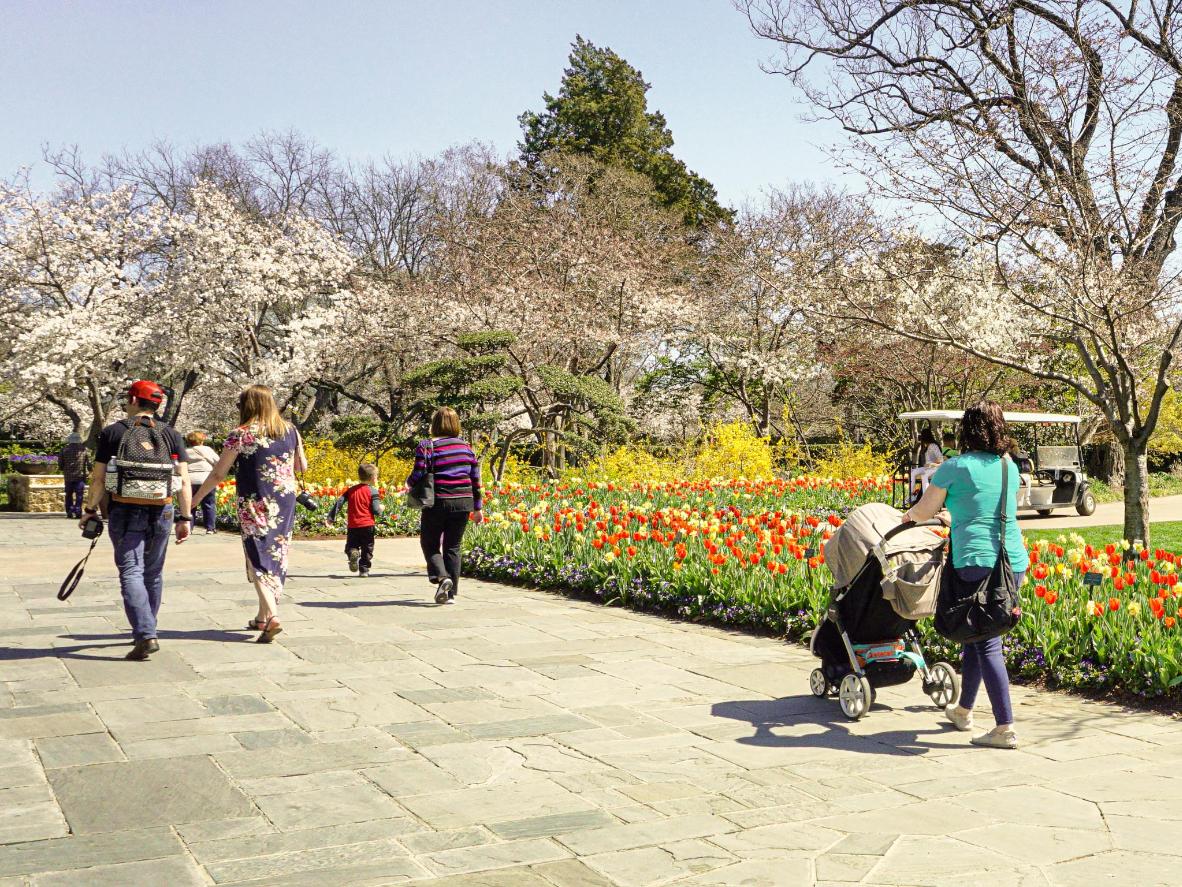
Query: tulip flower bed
{"x": 750, "y": 556}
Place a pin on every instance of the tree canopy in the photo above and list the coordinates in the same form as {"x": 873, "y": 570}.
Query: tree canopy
{"x": 602, "y": 110}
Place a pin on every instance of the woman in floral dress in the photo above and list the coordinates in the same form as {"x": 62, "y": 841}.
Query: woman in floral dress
{"x": 267, "y": 453}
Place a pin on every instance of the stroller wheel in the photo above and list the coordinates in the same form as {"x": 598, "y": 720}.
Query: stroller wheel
{"x": 818, "y": 683}
{"x": 944, "y": 686}
{"x": 855, "y": 696}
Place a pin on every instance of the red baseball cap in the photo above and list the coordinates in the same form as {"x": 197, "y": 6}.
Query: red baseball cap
{"x": 145, "y": 389}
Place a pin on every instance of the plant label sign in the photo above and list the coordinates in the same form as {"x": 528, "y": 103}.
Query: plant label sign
{"x": 810, "y": 552}
{"x": 1093, "y": 579}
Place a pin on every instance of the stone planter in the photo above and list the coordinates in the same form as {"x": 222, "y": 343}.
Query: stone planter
{"x": 34, "y": 468}
{"x": 42, "y": 493}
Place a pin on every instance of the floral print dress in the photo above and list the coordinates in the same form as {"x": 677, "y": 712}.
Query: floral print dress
{"x": 266, "y": 484}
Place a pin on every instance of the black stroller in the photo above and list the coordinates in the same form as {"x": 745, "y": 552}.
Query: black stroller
{"x": 867, "y": 638}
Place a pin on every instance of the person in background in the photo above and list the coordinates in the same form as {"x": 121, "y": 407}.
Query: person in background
{"x": 267, "y": 454}
{"x": 201, "y": 461}
{"x": 362, "y": 507}
{"x": 927, "y": 455}
{"x": 457, "y": 499}
{"x": 969, "y": 486}
{"x": 949, "y": 445}
{"x": 74, "y": 461}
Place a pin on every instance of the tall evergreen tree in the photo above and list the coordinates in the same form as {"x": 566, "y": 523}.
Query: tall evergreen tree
{"x": 601, "y": 109}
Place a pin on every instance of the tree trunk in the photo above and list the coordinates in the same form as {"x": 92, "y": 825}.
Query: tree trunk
{"x": 1136, "y": 491}
{"x": 1106, "y": 462}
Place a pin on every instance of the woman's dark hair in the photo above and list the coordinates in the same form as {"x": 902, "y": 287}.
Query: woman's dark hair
{"x": 926, "y": 437}
{"x": 983, "y": 429}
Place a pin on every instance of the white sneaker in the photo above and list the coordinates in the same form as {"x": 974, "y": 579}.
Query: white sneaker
{"x": 998, "y": 737}
{"x": 961, "y": 718}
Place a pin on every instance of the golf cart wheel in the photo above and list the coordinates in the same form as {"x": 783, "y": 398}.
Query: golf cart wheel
{"x": 944, "y": 686}
{"x": 818, "y": 683}
{"x": 1087, "y": 505}
{"x": 1045, "y": 512}
{"x": 855, "y": 696}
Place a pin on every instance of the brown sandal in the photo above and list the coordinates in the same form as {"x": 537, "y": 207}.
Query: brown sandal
{"x": 271, "y": 629}
{"x": 256, "y": 625}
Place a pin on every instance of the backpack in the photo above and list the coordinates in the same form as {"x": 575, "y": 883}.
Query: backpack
{"x": 143, "y": 472}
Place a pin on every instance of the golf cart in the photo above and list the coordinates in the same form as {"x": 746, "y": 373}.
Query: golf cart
{"x": 1053, "y": 478}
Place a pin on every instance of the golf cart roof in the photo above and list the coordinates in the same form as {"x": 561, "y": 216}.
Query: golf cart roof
{"x": 956, "y": 415}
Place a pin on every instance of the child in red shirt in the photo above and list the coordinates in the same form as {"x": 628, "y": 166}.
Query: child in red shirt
{"x": 362, "y": 507}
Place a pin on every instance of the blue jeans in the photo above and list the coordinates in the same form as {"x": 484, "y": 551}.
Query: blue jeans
{"x": 74, "y": 491}
{"x": 208, "y": 507}
{"x": 984, "y": 661}
{"x": 140, "y": 534}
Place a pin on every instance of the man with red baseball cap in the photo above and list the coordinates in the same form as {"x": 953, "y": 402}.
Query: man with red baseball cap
{"x": 140, "y": 510}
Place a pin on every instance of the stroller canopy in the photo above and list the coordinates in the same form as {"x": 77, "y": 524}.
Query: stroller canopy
{"x": 909, "y": 564}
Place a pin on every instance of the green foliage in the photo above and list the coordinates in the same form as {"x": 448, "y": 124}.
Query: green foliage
{"x": 473, "y": 382}
{"x": 365, "y": 435}
{"x": 601, "y": 110}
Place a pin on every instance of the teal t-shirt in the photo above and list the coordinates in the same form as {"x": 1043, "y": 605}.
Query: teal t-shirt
{"x": 973, "y": 483}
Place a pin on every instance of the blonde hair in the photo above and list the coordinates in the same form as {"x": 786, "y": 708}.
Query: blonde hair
{"x": 257, "y": 407}
{"x": 445, "y": 423}
{"x": 195, "y": 438}
{"x": 367, "y": 472}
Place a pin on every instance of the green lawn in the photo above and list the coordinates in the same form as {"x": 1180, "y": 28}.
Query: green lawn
{"x": 1161, "y": 483}
{"x": 1166, "y": 534}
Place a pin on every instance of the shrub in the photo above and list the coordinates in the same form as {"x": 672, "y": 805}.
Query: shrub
{"x": 848, "y": 460}
{"x": 733, "y": 449}
{"x": 331, "y": 465}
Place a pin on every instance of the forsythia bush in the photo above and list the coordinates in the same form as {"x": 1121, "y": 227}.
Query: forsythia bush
{"x": 848, "y": 460}
{"x": 733, "y": 449}
{"x": 330, "y": 465}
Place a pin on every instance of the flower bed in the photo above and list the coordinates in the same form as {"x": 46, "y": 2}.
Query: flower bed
{"x": 750, "y": 555}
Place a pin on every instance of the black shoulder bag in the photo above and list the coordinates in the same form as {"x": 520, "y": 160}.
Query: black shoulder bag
{"x": 968, "y": 612}
{"x": 422, "y": 494}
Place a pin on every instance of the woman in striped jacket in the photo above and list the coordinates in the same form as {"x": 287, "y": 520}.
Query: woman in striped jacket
{"x": 457, "y": 499}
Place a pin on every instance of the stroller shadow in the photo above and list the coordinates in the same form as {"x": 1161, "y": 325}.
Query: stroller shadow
{"x": 795, "y": 711}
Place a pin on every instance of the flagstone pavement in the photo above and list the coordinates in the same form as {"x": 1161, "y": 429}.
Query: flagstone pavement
{"x": 514, "y": 738}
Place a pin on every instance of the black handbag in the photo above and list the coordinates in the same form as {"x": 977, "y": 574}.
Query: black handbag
{"x": 968, "y": 612}
{"x": 422, "y": 494}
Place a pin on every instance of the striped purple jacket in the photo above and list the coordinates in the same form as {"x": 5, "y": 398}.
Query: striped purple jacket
{"x": 457, "y": 470}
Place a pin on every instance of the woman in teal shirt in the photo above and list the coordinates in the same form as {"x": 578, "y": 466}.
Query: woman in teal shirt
{"x": 969, "y": 486}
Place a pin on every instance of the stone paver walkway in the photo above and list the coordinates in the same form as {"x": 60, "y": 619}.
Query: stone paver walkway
{"x": 514, "y": 738}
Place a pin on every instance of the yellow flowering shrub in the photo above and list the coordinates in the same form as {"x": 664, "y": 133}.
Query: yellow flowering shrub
{"x": 847, "y": 460}
{"x": 733, "y": 449}
{"x": 330, "y": 465}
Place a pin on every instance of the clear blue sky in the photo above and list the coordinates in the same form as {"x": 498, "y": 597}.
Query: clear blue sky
{"x": 370, "y": 77}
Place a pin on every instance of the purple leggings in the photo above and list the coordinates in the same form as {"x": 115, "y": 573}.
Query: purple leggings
{"x": 983, "y": 660}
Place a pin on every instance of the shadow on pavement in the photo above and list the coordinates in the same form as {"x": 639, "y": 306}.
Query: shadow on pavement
{"x": 349, "y": 605}
{"x": 352, "y": 575}
{"x": 765, "y": 715}
{"x": 122, "y": 640}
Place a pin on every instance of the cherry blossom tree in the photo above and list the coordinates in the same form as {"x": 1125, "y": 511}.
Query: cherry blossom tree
{"x": 1048, "y": 133}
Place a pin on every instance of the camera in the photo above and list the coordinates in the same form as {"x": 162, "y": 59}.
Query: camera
{"x": 307, "y": 500}
{"x": 93, "y": 528}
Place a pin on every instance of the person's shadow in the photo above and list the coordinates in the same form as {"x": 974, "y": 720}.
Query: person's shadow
{"x": 766, "y": 715}
{"x": 121, "y": 641}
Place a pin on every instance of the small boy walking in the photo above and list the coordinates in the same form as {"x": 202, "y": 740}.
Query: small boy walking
{"x": 362, "y": 507}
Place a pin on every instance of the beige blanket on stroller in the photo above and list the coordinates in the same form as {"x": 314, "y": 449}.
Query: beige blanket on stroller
{"x": 911, "y": 561}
